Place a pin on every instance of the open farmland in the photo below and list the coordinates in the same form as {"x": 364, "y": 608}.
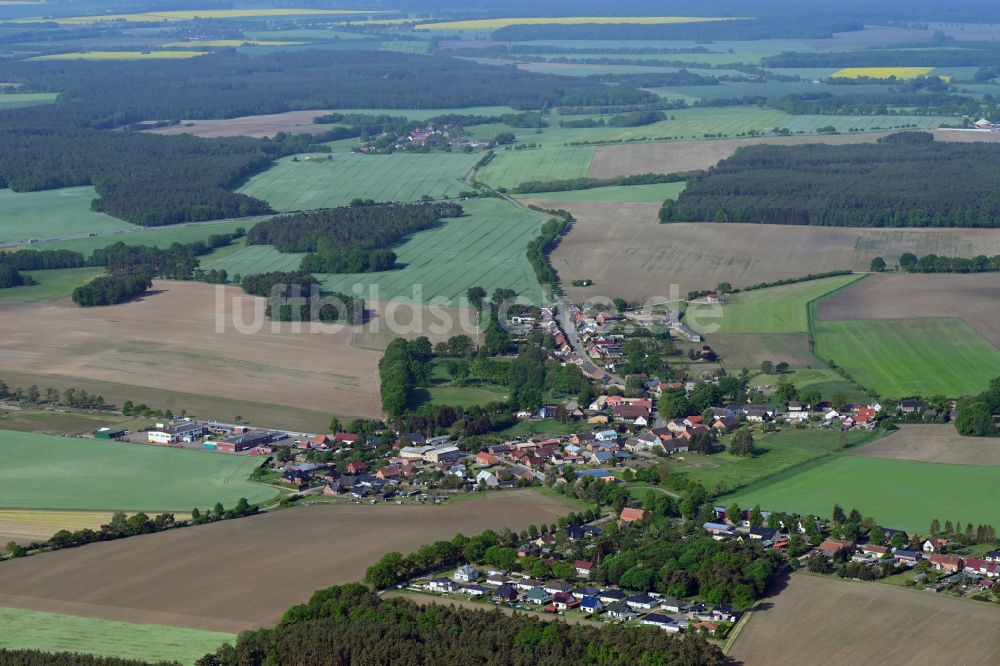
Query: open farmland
{"x": 52, "y": 214}
{"x": 934, "y": 444}
{"x": 52, "y": 284}
{"x": 900, "y": 73}
{"x": 848, "y": 622}
{"x": 13, "y": 100}
{"x": 253, "y": 259}
{"x": 48, "y": 472}
{"x": 152, "y": 236}
{"x": 627, "y": 253}
{"x": 971, "y": 298}
{"x": 486, "y": 247}
{"x": 773, "y": 310}
{"x": 901, "y": 493}
{"x": 54, "y": 632}
{"x": 149, "y": 350}
{"x": 749, "y": 350}
{"x": 513, "y": 167}
{"x": 29, "y": 525}
{"x": 123, "y": 55}
{"x": 170, "y": 16}
{"x": 627, "y": 193}
{"x": 905, "y": 357}
{"x": 497, "y": 23}
{"x": 291, "y": 122}
{"x": 297, "y": 184}
{"x": 245, "y": 573}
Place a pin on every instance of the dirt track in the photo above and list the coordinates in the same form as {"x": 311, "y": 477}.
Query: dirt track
{"x": 832, "y": 621}
{"x": 934, "y": 444}
{"x": 245, "y": 573}
{"x": 973, "y": 298}
{"x": 258, "y": 127}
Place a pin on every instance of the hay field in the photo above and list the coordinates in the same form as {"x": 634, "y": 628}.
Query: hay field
{"x": 906, "y": 357}
{"x": 258, "y": 127}
{"x": 123, "y": 55}
{"x": 52, "y": 284}
{"x": 255, "y": 259}
{"x": 935, "y": 443}
{"x": 851, "y": 622}
{"x": 497, "y": 23}
{"x": 242, "y": 574}
{"x": 971, "y": 298}
{"x": 151, "y": 350}
{"x": 50, "y": 472}
{"x": 328, "y": 183}
{"x": 54, "y": 632}
{"x": 27, "y": 525}
{"x": 900, "y": 73}
{"x": 900, "y": 493}
{"x": 486, "y": 247}
{"x": 627, "y": 253}
{"x": 52, "y": 214}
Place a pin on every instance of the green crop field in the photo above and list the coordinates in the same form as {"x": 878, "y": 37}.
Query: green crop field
{"x": 905, "y": 357}
{"x": 902, "y": 494}
{"x": 56, "y": 632}
{"x": 48, "y": 472}
{"x": 775, "y": 453}
{"x": 52, "y": 214}
{"x": 52, "y": 285}
{"x": 153, "y": 236}
{"x": 772, "y": 310}
{"x": 512, "y": 167}
{"x": 254, "y": 259}
{"x": 642, "y": 193}
{"x": 13, "y": 100}
{"x": 486, "y": 247}
{"x": 307, "y": 185}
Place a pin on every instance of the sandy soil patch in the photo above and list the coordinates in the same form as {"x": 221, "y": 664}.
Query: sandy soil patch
{"x": 843, "y": 622}
{"x": 245, "y": 573}
{"x": 172, "y": 340}
{"x": 973, "y": 298}
{"x": 258, "y": 127}
{"x": 935, "y": 444}
{"x": 628, "y": 253}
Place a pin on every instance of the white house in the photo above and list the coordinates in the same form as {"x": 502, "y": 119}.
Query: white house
{"x": 466, "y": 574}
{"x": 488, "y": 478}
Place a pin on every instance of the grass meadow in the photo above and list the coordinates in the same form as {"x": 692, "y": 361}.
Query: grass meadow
{"x": 486, "y": 247}
{"x": 52, "y": 284}
{"x": 902, "y": 494}
{"x": 328, "y": 183}
{"x": 773, "y": 310}
{"x": 906, "y": 357}
{"x": 52, "y": 214}
{"x": 153, "y": 236}
{"x": 49, "y": 472}
{"x": 56, "y": 632}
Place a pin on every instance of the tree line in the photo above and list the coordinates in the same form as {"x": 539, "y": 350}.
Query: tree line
{"x": 905, "y": 180}
{"x": 932, "y": 263}
{"x": 71, "y": 397}
{"x": 296, "y": 296}
{"x": 969, "y": 54}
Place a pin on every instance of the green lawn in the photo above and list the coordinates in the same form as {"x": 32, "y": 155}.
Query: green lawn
{"x": 772, "y": 310}
{"x": 486, "y": 247}
{"x": 898, "y": 493}
{"x": 306, "y": 185}
{"x": 776, "y": 453}
{"x": 654, "y": 193}
{"x": 540, "y": 427}
{"x": 904, "y": 357}
{"x": 52, "y": 213}
{"x": 458, "y": 396}
{"x": 55, "y": 632}
{"x": 254, "y": 259}
{"x": 52, "y": 284}
{"x": 48, "y": 472}
{"x": 513, "y": 167}
{"x": 14, "y": 100}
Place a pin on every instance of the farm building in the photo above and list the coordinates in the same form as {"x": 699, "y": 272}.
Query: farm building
{"x": 247, "y": 440}
{"x": 109, "y": 433}
{"x": 175, "y": 433}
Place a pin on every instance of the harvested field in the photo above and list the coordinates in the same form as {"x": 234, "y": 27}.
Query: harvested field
{"x": 972, "y": 298}
{"x": 245, "y": 573}
{"x": 936, "y": 444}
{"x": 27, "y": 525}
{"x": 168, "y": 342}
{"x": 628, "y": 253}
{"x": 292, "y": 122}
{"x": 848, "y": 622}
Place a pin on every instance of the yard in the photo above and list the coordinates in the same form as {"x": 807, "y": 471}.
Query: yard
{"x": 48, "y": 472}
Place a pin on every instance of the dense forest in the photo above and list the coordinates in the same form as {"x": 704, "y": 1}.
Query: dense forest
{"x": 904, "y": 180}
{"x": 352, "y": 239}
{"x": 340, "y": 625}
{"x": 112, "y": 289}
{"x": 39, "y": 658}
{"x": 961, "y": 54}
{"x": 296, "y": 296}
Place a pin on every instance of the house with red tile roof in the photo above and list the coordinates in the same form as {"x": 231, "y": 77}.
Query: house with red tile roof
{"x": 630, "y": 515}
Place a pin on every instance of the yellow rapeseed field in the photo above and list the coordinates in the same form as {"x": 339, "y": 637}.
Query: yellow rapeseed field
{"x": 497, "y": 23}
{"x": 123, "y": 55}
{"x": 881, "y": 72}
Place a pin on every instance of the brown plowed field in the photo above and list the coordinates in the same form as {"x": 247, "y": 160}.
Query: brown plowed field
{"x": 245, "y": 573}
{"x": 934, "y": 444}
{"x": 838, "y": 622}
{"x": 258, "y": 127}
{"x": 628, "y": 253}
{"x": 973, "y": 298}
{"x": 167, "y": 343}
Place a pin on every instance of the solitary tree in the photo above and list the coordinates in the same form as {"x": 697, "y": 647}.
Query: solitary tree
{"x": 742, "y": 444}
{"x": 878, "y": 265}
{"x": 767, "y": 367}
